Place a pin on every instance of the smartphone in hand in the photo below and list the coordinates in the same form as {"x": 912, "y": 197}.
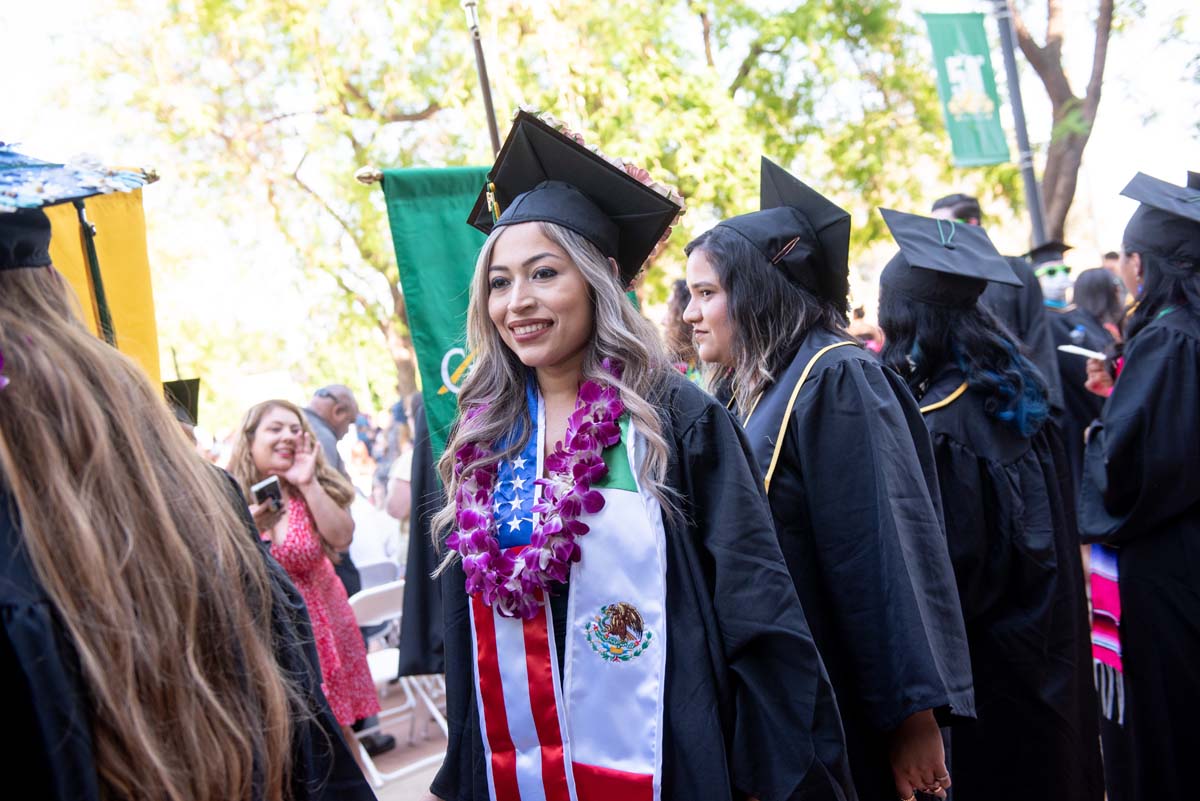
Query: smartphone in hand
{"x": 268, "y": 490}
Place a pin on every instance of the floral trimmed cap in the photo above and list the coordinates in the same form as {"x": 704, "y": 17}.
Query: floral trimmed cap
{"x": 27, "y": 185}
{"x": 544, "y": 174}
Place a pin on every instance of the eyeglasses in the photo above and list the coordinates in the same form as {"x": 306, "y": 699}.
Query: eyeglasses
{"x": 1051, "y": 270}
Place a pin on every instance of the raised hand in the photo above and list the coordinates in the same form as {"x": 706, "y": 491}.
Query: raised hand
{"x": 304, "y": 464}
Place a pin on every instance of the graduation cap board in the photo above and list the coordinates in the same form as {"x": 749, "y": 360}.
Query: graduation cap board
{"x": 942, "y": 262}
{"x": 31, "y": 190}
{"x": 542, "y": 175}
{"x": 1168, "y": 221}
{"x": 183, "y": 396}
{"x": 800, "y": 231}
{"x": 1047, "y": 253}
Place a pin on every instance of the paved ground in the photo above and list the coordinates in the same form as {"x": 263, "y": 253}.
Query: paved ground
{"x": 428, "y": 743}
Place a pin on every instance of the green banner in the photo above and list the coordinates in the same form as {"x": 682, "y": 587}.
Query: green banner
{"x": 967, "y": 87}
{"x": 436, "y": 251}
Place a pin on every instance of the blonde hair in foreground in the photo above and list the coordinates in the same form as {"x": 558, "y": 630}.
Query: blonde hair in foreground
{"x": 137, "y": 544}
{"x": 497, "y": 379}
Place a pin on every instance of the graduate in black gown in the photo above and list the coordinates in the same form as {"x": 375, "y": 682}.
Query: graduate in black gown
{"x": 1139, "y": 490}
{"x": 1019, "y": 308}
{"x": 674, "y": 662}
{"x": 1084, "y": 323}
{"x": 1015, "y": 556}
{"x": 150, "y": 647}
{"x": 850, "y": 477}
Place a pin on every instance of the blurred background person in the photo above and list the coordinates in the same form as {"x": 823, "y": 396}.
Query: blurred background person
{"x": 677, "y": 333}
{"x": 307, "y": 526}
{"x": 1091, "y": 322}
{"x": 150, "y": 647}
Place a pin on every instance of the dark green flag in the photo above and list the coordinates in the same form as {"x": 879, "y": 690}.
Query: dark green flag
{"x": 967, "y": 87}
{"x": 436, "y": 252}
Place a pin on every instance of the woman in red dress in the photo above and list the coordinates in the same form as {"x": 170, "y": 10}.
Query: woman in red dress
{"x": 306, "y": 530}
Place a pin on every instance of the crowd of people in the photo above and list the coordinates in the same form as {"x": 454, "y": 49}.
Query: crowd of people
{"x": 776, "y": 552}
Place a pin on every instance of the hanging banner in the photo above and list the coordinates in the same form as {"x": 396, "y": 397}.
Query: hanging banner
{"x": 436, "y": 251}
{"x": 967, "y": 88}
{"x": 124, "y": 266}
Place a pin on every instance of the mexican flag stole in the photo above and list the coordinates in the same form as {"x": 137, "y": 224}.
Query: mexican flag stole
{"x": 597, "y": 734}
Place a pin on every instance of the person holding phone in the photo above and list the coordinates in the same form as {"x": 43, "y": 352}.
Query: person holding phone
{"x": 305, "y": 515}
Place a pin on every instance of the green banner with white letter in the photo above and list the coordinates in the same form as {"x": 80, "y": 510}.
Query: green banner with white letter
{"x": 436, "y": 252}
{"x": 967, "y": 88}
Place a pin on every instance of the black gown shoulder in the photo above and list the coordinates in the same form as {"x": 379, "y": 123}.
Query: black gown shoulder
{"x": 50, "y": 707}
{"x": 748, "y": 708}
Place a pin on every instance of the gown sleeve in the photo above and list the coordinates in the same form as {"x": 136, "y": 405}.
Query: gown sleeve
{"x": 457, "y": 778}
{"x": 872, "y": 492}
{"x": 786, "y": 740}
{"x": 1141, "y": 456}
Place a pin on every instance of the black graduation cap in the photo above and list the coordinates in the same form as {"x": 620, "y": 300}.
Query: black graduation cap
{"x": 800, "y": 231}
{"x": 24, "y": 239}
{"x": 1168, "y": 221}
{"x": 1193, "y": 181}
{"x": 1047, "y": 252}
{"x": 183, "y": 396}
{"x": 542, "y": 175}
{"x": 943, "y": 262}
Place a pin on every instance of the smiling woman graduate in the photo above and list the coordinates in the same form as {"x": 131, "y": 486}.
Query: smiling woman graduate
{"x": 1014, "y": 551}
{"x": 620, "y": 623}
{"x": 850, "y": 477}
{"x": 1140, "y": 492}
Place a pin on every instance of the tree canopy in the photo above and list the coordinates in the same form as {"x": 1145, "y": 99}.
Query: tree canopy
{"x": 271, "y": 105}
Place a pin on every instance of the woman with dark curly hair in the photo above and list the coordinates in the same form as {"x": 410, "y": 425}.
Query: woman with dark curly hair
{"x": 1018, "y": 569}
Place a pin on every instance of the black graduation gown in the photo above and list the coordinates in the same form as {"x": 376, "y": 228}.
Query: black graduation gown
{"x": 1021, "y": 311}
{"x": 1020, "y": 580}
{"x": 48, "y": 713}
{"x": 1141, "y": 492}
{"x": 421, "y": 626}
{"x": 855, "y": 502}
{"x": 1074, "y": 326}
{"x": 748, "y": 707}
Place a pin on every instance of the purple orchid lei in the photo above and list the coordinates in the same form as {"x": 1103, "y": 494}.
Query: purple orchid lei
{"x": 515, "y": 584}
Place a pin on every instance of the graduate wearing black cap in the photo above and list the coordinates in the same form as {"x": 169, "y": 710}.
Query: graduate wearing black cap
{"x": 1015, "y": 554}
{"x": 110, "y": 527}
{"x": 1140, "y": 493}
{"x": 1021, "y": 309}
{"x": 849, "y": 474}
{"x": 659, "y": 652}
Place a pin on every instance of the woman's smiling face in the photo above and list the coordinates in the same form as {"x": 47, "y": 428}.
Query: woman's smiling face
{"x": 274, "y": 443}
{"x": 538, "y": 299}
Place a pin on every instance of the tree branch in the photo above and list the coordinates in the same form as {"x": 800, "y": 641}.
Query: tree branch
{"x": 706, "y": 30}
{"x": 1091, "y": 100}
{"x": 756, "y": 50}
{"x": 1046, "y": 61}
{"x": 1054, "y": 25}
{"x": 395, "y": 116}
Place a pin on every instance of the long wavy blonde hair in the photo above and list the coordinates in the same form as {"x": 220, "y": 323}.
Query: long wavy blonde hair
{"x": 497, "y": 379}
{"x": 242, "y": 467}
{"x": 137, "y": 543}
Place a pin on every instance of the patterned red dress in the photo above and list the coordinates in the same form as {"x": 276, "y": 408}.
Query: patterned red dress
{"x": 347, "y": 682}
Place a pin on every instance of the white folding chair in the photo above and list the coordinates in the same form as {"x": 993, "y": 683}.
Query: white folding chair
{"x": 373, "y": 607}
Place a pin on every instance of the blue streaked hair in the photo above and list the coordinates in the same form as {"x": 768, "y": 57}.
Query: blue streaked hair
{"x": 922, "y": 338}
